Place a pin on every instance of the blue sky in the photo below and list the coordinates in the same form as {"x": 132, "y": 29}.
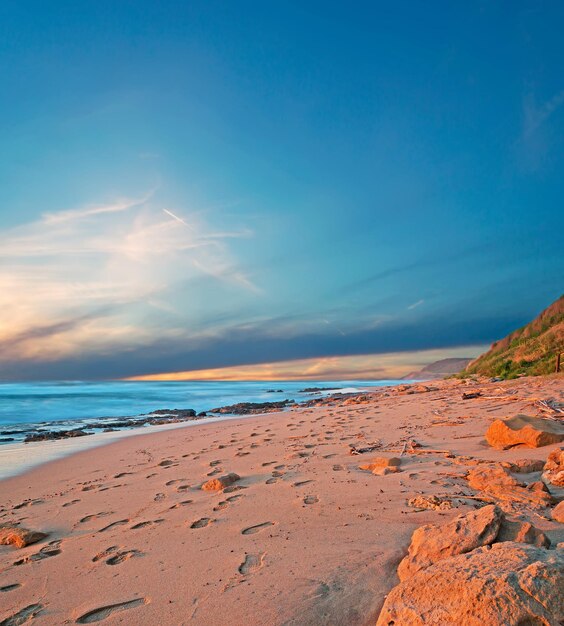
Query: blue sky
{"x": 195, "y": 185}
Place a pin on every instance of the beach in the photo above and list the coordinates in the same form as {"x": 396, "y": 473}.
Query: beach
{"x": 303, "y": 537}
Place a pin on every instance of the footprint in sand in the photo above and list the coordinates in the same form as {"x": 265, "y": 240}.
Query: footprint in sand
{"x": 97, "y": 615}
{"x": 252, "y": 563}
{"x": 166, "y": 463}
{"x": 120, "y": 522}
{"x": 122, "y": 474}
{"x": 71, "y": 503}
{"x": 94, "y": 516}
{"x": 273, "y": 480}
{"x": 311, "y": 499}
{"x": 23, "y": 616}
{"x": 120, "y": 557}
{"x": 183, "y": 503}
{"x": 51, "y": 549}
{"x": 147, "y": 523}
{"x": 251, "y": 530}
{"x": 10, "y": 587}
{"x": 201, "y": 523}
{"x": 104, "y": 554}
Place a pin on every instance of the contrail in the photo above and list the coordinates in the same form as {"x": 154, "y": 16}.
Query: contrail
{"x": 178, "y": 219}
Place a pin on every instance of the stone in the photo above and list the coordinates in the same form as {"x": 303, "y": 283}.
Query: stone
{"x": 524, "y": 430}
{"x": 433, "y": 503}
{"x": 526, "y": 466}
{"x": 497, "y": 482}
{"x": 221, "y": 482}
{"x": 507, "y": 584}
{"x": 382, "y": 465}
{"x": 432, "y": 543}
{"x": 554, "y": 468}
{"x": 522, "y": 532}
{"x": 558, "y": 512}
{"x": 19, "y": 537}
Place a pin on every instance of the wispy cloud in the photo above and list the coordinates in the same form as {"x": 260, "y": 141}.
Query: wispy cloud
{"x": 415, "y": 305}
{"x": 102, "y": 277}
{"x": 536, "y": 115}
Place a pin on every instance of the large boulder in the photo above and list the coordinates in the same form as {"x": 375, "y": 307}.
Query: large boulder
{"x": 524, "y": 430}
{"x": 19, "y": 537}
{"x": 497, "y": 482}
{"x": 507, "y": 584}
{"x": 432, "y": 543}
{"x": 554, "y": 468}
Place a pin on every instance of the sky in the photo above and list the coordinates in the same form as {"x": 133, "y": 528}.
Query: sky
{"x": 214, "y": 184}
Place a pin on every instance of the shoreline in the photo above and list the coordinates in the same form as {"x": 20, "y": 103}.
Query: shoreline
{"x": 304, "y": 537}
{"x": 19, "y": 457}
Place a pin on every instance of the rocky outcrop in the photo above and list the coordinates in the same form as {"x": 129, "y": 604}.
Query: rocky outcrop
{"x": 526, "y": 466}
{"x": 558, "y": 513}
{"x": 507, "y": 584}
{"x": 524, "y": 430}
{"x": 522, "y": 532}
{"x": 432, "y": 543}
{"x": 19, "y": 537}
{"x": 554, "y": 468}
{"x": 382, "y": 465}
{"x": 221, "y": 482}
{"x": 497, "y": 482}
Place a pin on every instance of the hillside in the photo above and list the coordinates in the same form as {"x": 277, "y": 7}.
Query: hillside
{"x": 439, "y": 369}
{"x": 530, "y": 350}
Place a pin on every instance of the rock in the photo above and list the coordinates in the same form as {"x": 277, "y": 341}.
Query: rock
{"x": 471, "y": 395}
{"x": 251, "y": 408}
{"x": 558, "y": 512}
{"x": 221, "y": 482}
{"x": 523, "y": 430}
{"x": 554, "y": 468}
{"x": 382, "y": 465}
{"x": 522, "y": 532}
{"x": 507, "y": 584}
{"x": 430, "y": 502}
{"x": 432, "y": 543}
{"x": 498, "y": 483}
{"x": 526, "y": 466}
{"x": 55, "y": 434}
{"x": 19, "y": 537}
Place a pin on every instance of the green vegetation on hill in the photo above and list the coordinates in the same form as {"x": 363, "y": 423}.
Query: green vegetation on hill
{"x": 531, "y": 350}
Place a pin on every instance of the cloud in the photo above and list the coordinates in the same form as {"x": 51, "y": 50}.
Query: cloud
{"x": 100, "y": 278}
{"x": 415, "y": 305}
{"x": 534, "y": 116}
{"x": 351, "y": 367}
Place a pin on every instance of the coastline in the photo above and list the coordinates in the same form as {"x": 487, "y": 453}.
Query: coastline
{"x": 305, "y": 537}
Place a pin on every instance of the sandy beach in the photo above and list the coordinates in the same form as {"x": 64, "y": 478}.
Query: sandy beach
{"x": 304, "y": 537}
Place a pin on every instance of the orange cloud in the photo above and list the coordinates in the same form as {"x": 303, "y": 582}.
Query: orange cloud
{"x": 367, "y": 367}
